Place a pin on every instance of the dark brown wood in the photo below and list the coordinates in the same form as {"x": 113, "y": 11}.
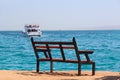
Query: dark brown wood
{"x": 85, "y": 51}
{"x": 49, "y": 53}
{"x": 46, "y": 46}
{"x": 51, "y": 42}
{"x": 93, "y": 68}
{"x": 35, "y": 50}
{"x": 62, "y": 52}
{"x": 37, "y": 66}
{"x": 87, "y": 57}
{"x": 45, "y": 53}
{"x": 65, "y": 47}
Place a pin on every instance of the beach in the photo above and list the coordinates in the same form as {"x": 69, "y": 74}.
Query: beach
{"x": 57, "y": 75}
{"x": 60, "y": 39}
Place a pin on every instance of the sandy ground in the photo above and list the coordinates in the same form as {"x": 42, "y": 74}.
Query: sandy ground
{"x": 58, "y": 75}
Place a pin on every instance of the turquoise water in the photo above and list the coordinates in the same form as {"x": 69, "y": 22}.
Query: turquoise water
{"x": 16, "y": 51}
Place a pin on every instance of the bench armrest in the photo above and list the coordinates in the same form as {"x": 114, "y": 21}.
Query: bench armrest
{"x": 85, "y": 51}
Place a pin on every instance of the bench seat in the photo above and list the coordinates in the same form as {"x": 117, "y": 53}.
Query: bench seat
{"x": 69, "y": 61}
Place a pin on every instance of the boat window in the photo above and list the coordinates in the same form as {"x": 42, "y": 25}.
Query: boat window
{"x": 32, "y": 30}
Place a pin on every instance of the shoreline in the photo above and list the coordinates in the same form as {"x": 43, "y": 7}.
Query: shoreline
{"x": 57, "y": 75}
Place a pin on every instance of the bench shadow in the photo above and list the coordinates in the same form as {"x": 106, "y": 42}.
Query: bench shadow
{"x": 109, "y": 78}
{"x": 48, "y": 73}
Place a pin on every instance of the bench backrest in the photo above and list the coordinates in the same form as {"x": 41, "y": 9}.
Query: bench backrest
{"x": 46, "y": 46}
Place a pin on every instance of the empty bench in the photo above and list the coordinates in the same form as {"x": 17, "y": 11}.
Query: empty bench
{"x": 45, "y": 48}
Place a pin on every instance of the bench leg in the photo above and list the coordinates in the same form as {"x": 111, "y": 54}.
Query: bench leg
{"x": 37, "y": 66}
{"x": 51, "y": 66}
{"x": 79, "y": 69}
{"x": 93, "y": 69}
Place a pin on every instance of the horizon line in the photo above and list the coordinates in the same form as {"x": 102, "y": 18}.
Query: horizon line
{"x": 70, "y": 30}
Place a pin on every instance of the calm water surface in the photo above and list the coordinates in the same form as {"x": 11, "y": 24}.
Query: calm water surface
{"x": 16, "y": 51}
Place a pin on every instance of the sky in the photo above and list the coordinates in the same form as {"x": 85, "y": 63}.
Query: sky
{"x": 60, "y": 14}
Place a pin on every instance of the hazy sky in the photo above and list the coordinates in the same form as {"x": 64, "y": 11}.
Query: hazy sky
{"x": 60, "y": 14}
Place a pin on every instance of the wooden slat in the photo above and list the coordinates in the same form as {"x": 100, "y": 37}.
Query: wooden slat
{"x": 44, "y": 42}
{"x": 65, "y": 47}
{"x": 41, "y": 50}
{"x": 69, "y": 61}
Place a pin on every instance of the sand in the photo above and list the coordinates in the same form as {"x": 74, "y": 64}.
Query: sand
{"x": 57, "y": 75}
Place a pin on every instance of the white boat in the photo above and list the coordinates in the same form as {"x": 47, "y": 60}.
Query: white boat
{"x": 32, "y": 30}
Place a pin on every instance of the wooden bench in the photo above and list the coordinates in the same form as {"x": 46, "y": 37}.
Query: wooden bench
{"x": 45, "y": 47}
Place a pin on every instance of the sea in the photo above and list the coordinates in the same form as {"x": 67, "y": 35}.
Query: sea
{"x": 16, "y": 52}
